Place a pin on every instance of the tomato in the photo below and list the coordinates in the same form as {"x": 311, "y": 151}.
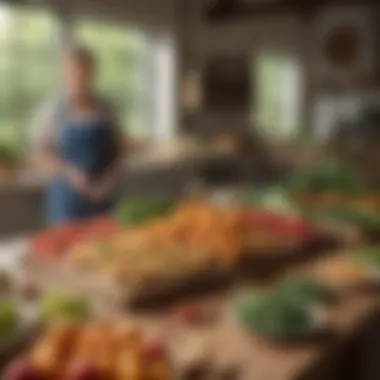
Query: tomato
{"x": 295, "y": 229}
{"x": 153, "y": 350}
{"x": 43, "y": 245}
{"x": 56, "y": 241}
{"x": 275, "y": 225}
{"x": 69, "y": 233}
{"x": 101, "y": 227}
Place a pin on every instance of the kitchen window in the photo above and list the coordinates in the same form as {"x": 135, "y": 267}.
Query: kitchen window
{"x": 28, "y": 64}
{"x": 278, "y": 91}
{"x": 136, "y": 70}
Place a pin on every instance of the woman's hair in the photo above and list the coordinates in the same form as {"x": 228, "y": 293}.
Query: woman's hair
{"x": 81, "y": 54}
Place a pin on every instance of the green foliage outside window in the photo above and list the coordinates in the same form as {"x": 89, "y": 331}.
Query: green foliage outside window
{"x": 28, "y": 64}
{"x": 277, "y": 91}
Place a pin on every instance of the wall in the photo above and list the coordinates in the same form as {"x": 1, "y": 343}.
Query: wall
{"x": 150, "y": 13}
{"x": 245, "y": 38}
{"x": 203, "y": 39}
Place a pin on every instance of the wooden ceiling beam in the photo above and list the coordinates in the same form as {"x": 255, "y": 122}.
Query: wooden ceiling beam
{"x": 237, "y": 10}
{"x": 219, "y": 9}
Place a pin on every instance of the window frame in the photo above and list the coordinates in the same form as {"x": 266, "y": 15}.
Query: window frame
{"x": 161, "y": 125}
{"x": 284, "y": 131}
{"x": 21, "y": 143}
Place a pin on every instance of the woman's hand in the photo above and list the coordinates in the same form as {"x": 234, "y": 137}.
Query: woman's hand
{"x": 101, "y": 191}
{"x": 78, "y": 179}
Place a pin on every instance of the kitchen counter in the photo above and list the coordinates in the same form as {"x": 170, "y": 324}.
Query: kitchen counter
{"x": 227, "y": 345}
{"x": 170, "y": 175}
{"x": 23, "y": 199}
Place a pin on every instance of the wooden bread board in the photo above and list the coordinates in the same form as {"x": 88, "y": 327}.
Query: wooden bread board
{"x": 54, "y": 275}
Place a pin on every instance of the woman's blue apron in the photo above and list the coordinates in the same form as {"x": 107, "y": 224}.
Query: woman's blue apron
{"x": 88, "y": 146}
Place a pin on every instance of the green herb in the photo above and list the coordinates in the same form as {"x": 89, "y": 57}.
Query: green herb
{"x": 8, "y": 320}
{"x": 7, "y": 155}
{"x": 274, "y": 317}
{"x": 137, "y": 210}
{"x": 352, "y": 217}
{"x": 65, "y": 306}
{"x": 304, "y": 290}
{"x": 369, "y": 258}
{"x": 287, "y": 311}
{"x": 328, "y": 177}
{"x": 274, "y": 199}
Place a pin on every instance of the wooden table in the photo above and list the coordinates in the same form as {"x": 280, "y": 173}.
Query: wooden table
{"x": 260, "y": 360}
{"x": 225, "y": 344}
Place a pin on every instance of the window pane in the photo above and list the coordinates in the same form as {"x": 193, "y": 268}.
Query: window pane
{"x": 28, "y": 62}
{"x": 277, "y": 95}
{"x": 120, "y": 52}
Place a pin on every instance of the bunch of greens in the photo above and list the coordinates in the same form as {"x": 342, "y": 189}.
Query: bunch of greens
{"x": 362, "y": 219}
{"x": 65, "y": 306}
{"x": 286, "y": 312}
{"x": 304, "y": 290}
{"x": 273, "y": 317}
{"x": 275, "y": 199}
{"x": 9, "y": 319}
{"x": 8, "y": 155}
{"x": 328, "y": 177}
{"x": 370, "y": 258}
{"x": 137, "y": 210}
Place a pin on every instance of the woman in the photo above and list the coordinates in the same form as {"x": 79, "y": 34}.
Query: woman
{"x": 80, "y": 145}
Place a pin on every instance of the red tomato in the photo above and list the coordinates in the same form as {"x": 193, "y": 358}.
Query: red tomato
{"x": 44, "y": 246}
{"x": 55, "y": 242}
{"x": 277, "y": 225}
{"x": 153, "y": 350}
{"x": 293, "y": 229}
{"x": 188, "y": 313}
{"x": 101, "y": 227}
{"x": 69, "y": 232}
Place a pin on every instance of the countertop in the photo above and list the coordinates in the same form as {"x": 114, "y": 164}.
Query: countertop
{"x": 29, "y": 180}
{"x": 258, "y": 359}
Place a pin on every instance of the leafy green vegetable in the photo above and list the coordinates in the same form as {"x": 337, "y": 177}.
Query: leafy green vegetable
{"x": 370, "y": 258}
{"x": 8, "y": 320}
{"x": 304, "y": 290}
{"x": 287, "y": 311}
{"x": 274, "y": 317}
{"x": 274, "y": 199}
{"x": 353, "y": 217}
{"x": 328, "y": 177}
{"x": 7, "y": 155}
{"x": 65, "y": 306}
{"x": 137, "y": 210}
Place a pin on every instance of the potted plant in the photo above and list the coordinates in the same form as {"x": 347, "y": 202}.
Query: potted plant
{"x": 9, "y": 162}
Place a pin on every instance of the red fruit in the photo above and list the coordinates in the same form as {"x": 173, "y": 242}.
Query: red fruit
{"x": 257, "y": 218}
{"x": 43, "y": 245}
{"x": 293, "y": 229}
{"x": 153, "y": 350}
{"x": 69, "y": 233}
{"x": 21, "y": 370}
{"x": 102, "y": 226}
{"x": 189, "y": 313}
{"x": 83, "y": 371}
